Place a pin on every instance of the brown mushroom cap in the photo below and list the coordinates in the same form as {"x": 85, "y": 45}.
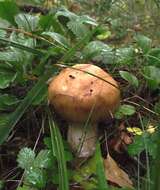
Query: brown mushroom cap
{"x": 76, "y": 94}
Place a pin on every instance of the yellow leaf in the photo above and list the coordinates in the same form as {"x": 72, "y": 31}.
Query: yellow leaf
{"x": 135, "y": 130}
{"x": 151, "y": 129}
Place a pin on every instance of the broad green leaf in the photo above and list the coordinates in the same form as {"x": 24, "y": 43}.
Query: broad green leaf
{"x": 99, "y": 51}
{"x": 130, "y": 78}
{"x": 8, "y": 9}
{"x": 45, "y": 22}
{"x": 2, "y": 33}
{"x": 66, "y": 13}
{"x": 124, "y": 56}
{"x": 153, "y": 57}
{"x": 10, "y": 56}
{"x": 6, "y": 101}
{"x": 58, "y": 38}
{"x": 143, "y": 42}
{"x": 125, "y": 110}
{"x": 78, "y": 28}
{"x": 50, "y": 20}
{"x": 87, "y": 20}
{"x": 25, "y": 158}
{"x": 7, "y": 75}
{"x": 27, "y": 22}
{"x": 152, "y": 76}
{"x": 58, "y": 149}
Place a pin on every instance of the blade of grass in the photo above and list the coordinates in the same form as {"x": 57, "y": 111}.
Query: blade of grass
{"x": 101, "y": 179}
{"x": 58, "y": 149}
{"x": 22, "y": 47}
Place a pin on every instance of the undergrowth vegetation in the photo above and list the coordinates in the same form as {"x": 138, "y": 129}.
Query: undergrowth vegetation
{"x": 39, "y": 38}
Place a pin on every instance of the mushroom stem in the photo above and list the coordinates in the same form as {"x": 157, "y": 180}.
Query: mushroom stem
{"x": 82, "y": 139}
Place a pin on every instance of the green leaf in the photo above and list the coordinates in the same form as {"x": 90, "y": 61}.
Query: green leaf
{"x": 58, "y": 38}
{"x": 7, "y": 75}
{"x": 22, "y": 47}
{"x": 26, "y": 102}
{"x": 65, "y": 13}
{"x": 8, "y": 9}
{"x": 27, "y": 22}
{"x": 153, "y": 57}
{"x": 136, "y": 147}
{"x": 6, "y": 101}
{"x": 36, "y": 177}
{"x": 151, "y": 74}
{"x": 58, "y": 150}
{"x": 130, "y": 78}
{"x": 26, "y": 158}
{"x": 10, "y": 56}
{"x": 41, "y": 97}
{"x": 78, "y": 28}
{"x": 1, "y": 185}
{"x": 46, "y": 22}
{"x": 87, "y": 20}
{"x": 43, "y": 159}
{"x": 124, "y": 56}
{"x": 125, "y": 110}
{"x": 143, "y": 42}
{"x": 99, "y": 51}
{"x": 26, "y": 188}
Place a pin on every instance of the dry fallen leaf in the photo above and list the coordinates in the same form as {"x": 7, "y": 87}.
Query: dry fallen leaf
{"x": 121, "y": 139}
{"x": 115, "y": 174}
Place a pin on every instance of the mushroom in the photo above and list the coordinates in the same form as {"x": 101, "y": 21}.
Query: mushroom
{"x": 83, "y": 95}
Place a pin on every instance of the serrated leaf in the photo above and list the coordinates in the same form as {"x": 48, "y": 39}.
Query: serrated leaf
{"x": 125, "y": 110}
{"x": 8, "y": 9}
{"x": 130, "y": 78}
{"x": 27, "y": 22}
{"x": 58, "y": 38}
{"x": 26, "y": 158}
{"x": 36, "y": 177}
{"x": 151, "y": 74}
